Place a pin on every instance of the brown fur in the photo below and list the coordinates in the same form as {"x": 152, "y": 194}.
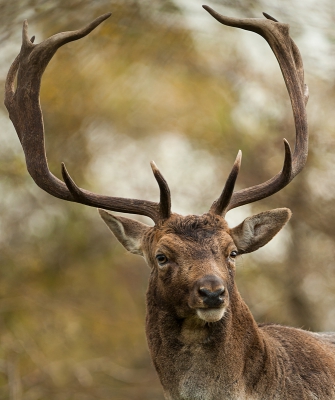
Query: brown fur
{"x": 203, "y": 339}
{"x": 232, "y": 358}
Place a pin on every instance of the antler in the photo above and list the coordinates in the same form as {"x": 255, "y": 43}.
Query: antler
{"x": 24, "y": 109}
{"x": 290, "y": 62}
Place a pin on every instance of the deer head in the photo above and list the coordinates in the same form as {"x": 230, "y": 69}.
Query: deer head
{"x": 192, "y": 258}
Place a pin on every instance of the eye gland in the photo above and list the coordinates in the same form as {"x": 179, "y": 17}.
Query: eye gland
{"x": 161, "y": 259}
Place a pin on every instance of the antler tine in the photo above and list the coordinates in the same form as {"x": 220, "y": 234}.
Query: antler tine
{"x": 119, "y": 204}
{"x": 220, "y": 205}
{"x": 290, "y": 62}
{"x": 24, "y": 109}
{"x": 165, "y": 195}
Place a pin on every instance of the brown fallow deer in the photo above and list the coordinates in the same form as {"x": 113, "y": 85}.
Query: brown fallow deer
{"x": 204, "y": 342}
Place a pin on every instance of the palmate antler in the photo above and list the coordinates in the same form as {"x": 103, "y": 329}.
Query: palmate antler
{"x": 290, "y": 62}
{"x": 25, "y": 112}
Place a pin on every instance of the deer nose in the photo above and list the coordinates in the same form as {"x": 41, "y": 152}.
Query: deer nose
{"x": 211, "y": 290}
{"x": 212, "y": 299}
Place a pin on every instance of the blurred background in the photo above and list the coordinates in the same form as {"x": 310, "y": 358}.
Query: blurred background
{"x": 161, "y": 80}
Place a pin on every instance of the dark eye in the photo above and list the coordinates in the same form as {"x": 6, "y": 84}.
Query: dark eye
{"x": 233, "y": 254}
{"x": 161, "y": 259}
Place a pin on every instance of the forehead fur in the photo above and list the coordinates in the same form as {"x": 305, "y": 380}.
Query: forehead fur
{"x": 195, "y": 226}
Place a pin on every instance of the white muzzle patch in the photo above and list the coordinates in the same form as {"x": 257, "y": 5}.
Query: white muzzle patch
{"x": 210, "y": 314}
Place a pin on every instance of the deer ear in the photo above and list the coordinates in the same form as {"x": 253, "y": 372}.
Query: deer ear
{"x": 127, "y": 231}
{"x": 256, "y": 231}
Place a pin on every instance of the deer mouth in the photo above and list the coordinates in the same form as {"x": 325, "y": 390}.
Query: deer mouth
{"x": 211, "y": 314}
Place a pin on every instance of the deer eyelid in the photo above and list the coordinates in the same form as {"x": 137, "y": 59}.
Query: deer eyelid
{"x": 161, "y": 259}
{"x": 232, "y": 255}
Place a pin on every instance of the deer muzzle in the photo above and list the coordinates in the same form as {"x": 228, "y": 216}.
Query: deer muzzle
{"x": 209, "y": 298}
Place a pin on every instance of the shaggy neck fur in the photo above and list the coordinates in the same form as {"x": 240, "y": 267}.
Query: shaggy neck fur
{"x": 190, "y": 355}
{"x": 235, "y": 359}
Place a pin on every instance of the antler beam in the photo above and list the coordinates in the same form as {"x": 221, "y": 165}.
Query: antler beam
{"x": 23, "y": 105}
{"x": 290, "y": 62}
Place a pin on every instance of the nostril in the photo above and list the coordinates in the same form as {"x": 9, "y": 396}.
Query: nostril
{"x": 204, "y": 292}
{"x": 211, "y": 295}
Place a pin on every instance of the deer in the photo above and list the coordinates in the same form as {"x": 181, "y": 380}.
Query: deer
{"x": 204, "y": 342}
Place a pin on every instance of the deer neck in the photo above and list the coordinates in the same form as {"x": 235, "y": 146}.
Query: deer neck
{"x": 184, "y": 349}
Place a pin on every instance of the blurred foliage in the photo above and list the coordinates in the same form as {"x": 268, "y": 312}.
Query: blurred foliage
{"x": 159, "y": 82}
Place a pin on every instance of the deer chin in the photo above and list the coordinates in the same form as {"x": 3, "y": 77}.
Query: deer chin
{"x": 211, "y": 314}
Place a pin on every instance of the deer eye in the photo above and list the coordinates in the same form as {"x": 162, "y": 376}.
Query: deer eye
{"x": 161, "y": 259}
{"x": 233, "y": 254}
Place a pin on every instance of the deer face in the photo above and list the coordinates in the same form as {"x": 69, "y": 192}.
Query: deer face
{"x": 192, "y": 261}
{"x": 192, "y": 258}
